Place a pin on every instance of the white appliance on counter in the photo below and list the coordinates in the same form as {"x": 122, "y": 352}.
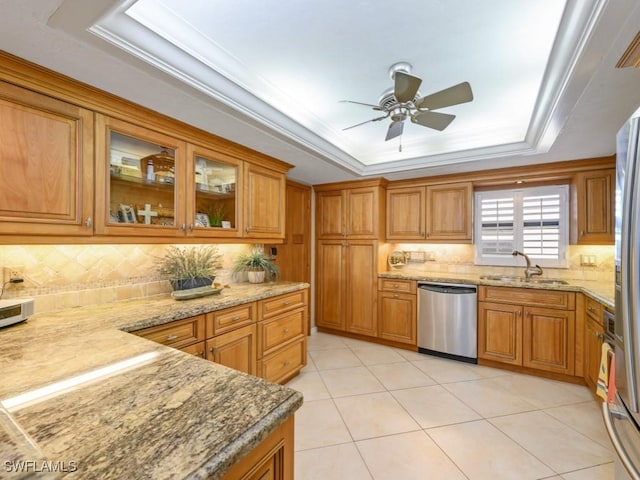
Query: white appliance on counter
{"x": 15, "y": 311}
{"x": 622, "y": 417}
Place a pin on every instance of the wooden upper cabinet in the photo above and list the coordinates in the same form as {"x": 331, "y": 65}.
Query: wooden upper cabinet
{"x": 46, "y": 165}
{"x": 450, "y": 212}
{"x": 264, "y": 200}
{"x": 595, "y": 197}
{"x": 406, "y": 213}
{"x": 355, "y": 211}
{"x": 140, "y": 181}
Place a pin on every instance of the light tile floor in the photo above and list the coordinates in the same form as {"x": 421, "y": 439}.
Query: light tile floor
{"x": 376, "y": 412}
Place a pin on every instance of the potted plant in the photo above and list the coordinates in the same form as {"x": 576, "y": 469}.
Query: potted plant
{"x": 190, "y": 267}
{"x": 256, "y": 264}
{"x": 217, "y": 213}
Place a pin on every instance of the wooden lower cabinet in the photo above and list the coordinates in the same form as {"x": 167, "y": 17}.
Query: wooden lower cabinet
{"x": 500, "y": 332}
{"x": 181, "y": 334}
{"x": 538, "y": 334}
{"x": 235, "y": 349}
{"x": 593, "y": 339}
{"x": 272, "y": 459}
{"x": 397, "y": 305}
{"x": 285, "y": 363}
{"x": 197, "y": 350}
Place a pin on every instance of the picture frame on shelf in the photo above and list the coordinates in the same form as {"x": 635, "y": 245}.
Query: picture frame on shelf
{"x": 126, "y": 214}
{"x": 202, "y": 220}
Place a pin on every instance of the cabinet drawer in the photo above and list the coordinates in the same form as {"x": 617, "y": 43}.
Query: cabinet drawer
{"x": 398, "y": 286}
{"x": 230, "y": 318}
{"x": 593, "y": 310}
{"x": 197, "y": 350}
{"x": 528, "y": 296}
{"x": 282, "y": 303}
{"x": 280, "y": 330}
{"x": 178, "y": 334}
{"x": 283, "y": 363}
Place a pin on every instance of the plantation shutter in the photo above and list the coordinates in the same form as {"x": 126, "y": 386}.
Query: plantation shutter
{"x": 541, "y": 226}
{"x": 496, "y": 231}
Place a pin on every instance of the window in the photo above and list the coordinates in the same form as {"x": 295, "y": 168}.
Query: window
{"x": 534, "y": 221}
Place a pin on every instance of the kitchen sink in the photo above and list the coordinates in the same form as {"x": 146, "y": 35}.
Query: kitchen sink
{"x": 513, "y": 279}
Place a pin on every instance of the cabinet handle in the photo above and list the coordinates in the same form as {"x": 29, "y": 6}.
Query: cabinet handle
{"x": 286, "y": 364}
{"x": 202, "y": 354}
{"x": 395, "y": 295}
{"x": 599, "y": 336}
{"x": 582, "y": 233}
{"x": 395, "y": 285}
{"x": 191, "y": 227}
{"x": 247, "y": 229}
{"x": 518, "y": 314}
{"x": 89, "y": 222}
{"x": 235, "y": 318}
{"x": 526, "y": 314}
{"x": 285, "y": 330}
{"x": 183, "y": 227}
{"x": 213, "y": 350}
{"x": 285, "y": 303}
{"x": 171, "y": 337}
{"x": 590, "y": 308}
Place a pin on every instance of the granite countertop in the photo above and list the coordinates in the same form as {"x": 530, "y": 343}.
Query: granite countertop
{"x": 171, "y": 415}
{"x": 603, "y": 292}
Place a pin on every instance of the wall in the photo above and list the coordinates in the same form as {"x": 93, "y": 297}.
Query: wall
{"x": 459, "y": 259}
{"x": 64, "y": 276}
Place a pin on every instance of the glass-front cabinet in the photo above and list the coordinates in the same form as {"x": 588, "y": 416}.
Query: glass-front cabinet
{"x": 214, "y": 193}
{"x": 139, "y": 183}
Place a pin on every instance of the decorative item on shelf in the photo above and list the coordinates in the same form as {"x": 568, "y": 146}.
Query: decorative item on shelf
{"x": 147, "y": 213}
{"x": 256, "y": 264}
{"x": 126, "y": 214}
{"x": 398, "y": 259}
{"x": 190, "y": 267}
{"x": 202, "y": 220}
{"x": 216, "y": 211}
{"x": 158, "y": 167}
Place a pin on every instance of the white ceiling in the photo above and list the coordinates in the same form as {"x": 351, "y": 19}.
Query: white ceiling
{"x": 271, "y": 74}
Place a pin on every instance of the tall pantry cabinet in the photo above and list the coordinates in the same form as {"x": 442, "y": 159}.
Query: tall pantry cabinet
{"x": 349, "y": 223}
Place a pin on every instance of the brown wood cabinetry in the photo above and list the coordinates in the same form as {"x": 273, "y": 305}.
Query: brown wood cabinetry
{"x": 397, "y": 305}
{"x": 272, "y": 459}
{"x": 531, "y": 328}
{"x": 264, "y": 193}
{"x": 595, "y": 195}
{"x": 46, "y": 165}
{"x": 282, "y": 336}
{"x": 346, "y": 285}
{"x": 450, "y": 212}
{"x": 593, "y": 339}
{"x": 267, "y": 338}
{"x": 406, "y": 213}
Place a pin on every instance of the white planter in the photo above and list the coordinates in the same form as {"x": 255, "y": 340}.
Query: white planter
{"x": 256, "y": 277}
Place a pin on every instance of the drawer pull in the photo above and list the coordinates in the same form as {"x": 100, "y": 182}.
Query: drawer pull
{"x": 395, "y": 295}
{"x": 213, "y": 350}
{"x": 285, "y": 303}
{"x": 395, "y": 285}
{"x": 235, "y": 318}
{"x": 599, "y": 336}
{"x": 171, "y": 337}
{"x": 286, "y": 364}
{"x": 590, "y": 308}
{"x": 285, "y": 329}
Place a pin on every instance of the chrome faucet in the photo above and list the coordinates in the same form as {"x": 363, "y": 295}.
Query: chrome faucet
{"x": 529, "y": 270}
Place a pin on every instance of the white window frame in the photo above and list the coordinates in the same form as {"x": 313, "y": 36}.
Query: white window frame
{"x": 517, "y": 195}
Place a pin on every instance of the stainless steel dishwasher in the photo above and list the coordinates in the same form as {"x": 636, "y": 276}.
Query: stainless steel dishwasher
{"x": 448, "y": 321}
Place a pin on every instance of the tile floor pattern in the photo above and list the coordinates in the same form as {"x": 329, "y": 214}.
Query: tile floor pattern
{"x": 376, "y": 412}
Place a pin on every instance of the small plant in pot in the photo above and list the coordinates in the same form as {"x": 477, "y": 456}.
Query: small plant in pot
{"x": 256, "y": 264}
{"x": 189, "y": 267}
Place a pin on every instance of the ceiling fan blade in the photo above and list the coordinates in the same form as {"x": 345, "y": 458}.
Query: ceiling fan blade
{"x": 395, "y": 130}
{"x": 375, "y": 107}
{"x": 455, "y": 95}
{"x": 362, "y": 123}
{"x": 406, "y": 86}
{"x": 435, "y": 120}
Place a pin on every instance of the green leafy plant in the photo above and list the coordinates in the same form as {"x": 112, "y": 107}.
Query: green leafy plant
{"x": 186, "y": 264}
{"x": 216, "y": 213}
{"x": 254, "y": 261}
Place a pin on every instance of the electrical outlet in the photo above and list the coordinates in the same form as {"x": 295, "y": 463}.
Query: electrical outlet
{"x": 12, "y": 272}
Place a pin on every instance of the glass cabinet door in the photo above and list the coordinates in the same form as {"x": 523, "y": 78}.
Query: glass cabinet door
{"x": 213, "y": 203}
{"x": 142, "y": 183}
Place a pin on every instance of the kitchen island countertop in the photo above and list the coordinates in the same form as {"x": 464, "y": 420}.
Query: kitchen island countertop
{"x": 170, "y": 415}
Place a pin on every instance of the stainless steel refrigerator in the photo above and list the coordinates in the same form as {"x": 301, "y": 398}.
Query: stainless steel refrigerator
{"x": 622, "y": 416}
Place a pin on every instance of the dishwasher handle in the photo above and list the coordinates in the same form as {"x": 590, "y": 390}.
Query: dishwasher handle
{"x": 448, "y": 289}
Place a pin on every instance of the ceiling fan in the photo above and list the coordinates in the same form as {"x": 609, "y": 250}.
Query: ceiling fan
{"x": 403, "y": 101}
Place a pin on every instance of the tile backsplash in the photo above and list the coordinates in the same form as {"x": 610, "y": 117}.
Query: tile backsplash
{"x": 64, "y": 276}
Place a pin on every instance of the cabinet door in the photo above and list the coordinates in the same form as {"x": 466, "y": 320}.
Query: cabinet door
{"x": 361, "y": 266}
{"x": 213, "y": 193}
{"x": 139, "y": 181}
{"x": 549, "y": 339}
{"x": 596, "y": 202}
{"x": 46, "y": 165}
{"x": 449, "y": 212}
{"x": 235, "y": 349}
{"x": 264, "y": 211}
{"x": 363, "y": 212}
{"x": 500, "y": 332}
{"x": 593, "y": 339}
{"x": 397, "y": 317}
{"x": 406, "y": 214}
{"x": 330, "y": 284}
{"x": 330, "y": 214}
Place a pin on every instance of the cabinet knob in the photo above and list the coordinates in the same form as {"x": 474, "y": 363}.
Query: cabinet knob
{"x": 89, "y": 222}
{"x": 395, "y": 295}
{"x": 171, "y": 337}
{"x": 395, "y": 285}
{"x": 247, "y": 229}
{"x": 213, "y": 350}
{"x": 582, "y": 233}
{"x": 590, "y": 308}
{"x": 285, "y": 303}
{"x": 183, "y": 227}
{"x": 599, "y": 336}
{"x": 286, "y": 364}
{"x": 202, "y": 354}
{"x": 285, "y": 330}
{"x": 191, "y": 227}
